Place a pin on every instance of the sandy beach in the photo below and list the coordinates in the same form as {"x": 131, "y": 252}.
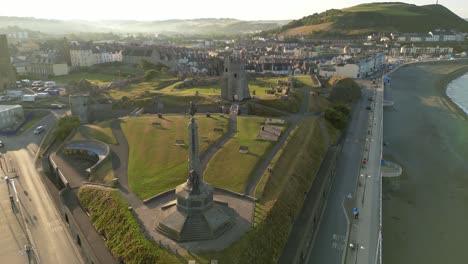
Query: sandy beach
{"x": 425, "y": 211}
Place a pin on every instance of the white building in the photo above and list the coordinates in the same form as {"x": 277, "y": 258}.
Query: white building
{"x": 10, "y": 115}
{"x": 87, "y": 55}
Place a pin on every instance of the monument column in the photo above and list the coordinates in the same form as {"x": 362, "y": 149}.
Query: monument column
{"x": 194, "y": 154}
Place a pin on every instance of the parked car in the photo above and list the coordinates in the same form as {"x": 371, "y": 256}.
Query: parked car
{"x": 50, "y": 84}
{"x": 37, "y": 84}
{"x": 39, "y": 130}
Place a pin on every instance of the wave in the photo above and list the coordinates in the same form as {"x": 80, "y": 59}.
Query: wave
{"x": 457, "y": 91}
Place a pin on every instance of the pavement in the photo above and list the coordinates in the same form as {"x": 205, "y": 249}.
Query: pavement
{"x": 49, "y": 238}
{"x": 365, "y": 231}
{"x": 330, "y": 240}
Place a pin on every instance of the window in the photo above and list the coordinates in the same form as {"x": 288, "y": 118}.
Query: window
{"x": 226, "y": 70}
{"x": 235, "y": 75}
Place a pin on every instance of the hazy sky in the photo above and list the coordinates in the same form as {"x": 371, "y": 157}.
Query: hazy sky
{"x": 184, "y": 9}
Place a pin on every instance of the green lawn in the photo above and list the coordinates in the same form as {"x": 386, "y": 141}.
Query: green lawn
{"x": 317, "y": 103}
{"x": 101, "y": 132}
{"x": 155, "y": 164}
{"x": 307, "y": 80}
{"x": 232, "y": 170}
{"x": 214, "y": 89}
{"x": 261, "y": 85}
{"x": 143, "y": 87}
{"x": 96, "y": 78}
{"x": 109, "y": 214}
{"x": 292, "y": 105}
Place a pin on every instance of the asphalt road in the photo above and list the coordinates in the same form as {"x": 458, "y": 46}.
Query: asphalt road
{"x": 330, "y": 240}
{"x": 51, "y": 242}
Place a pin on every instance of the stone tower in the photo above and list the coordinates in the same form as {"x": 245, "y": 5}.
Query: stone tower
{"x": 197, "y": 215}
{"x": 79, "y": 106}
{"x": 234, "y": 86}
{"x": 7, "y": 74}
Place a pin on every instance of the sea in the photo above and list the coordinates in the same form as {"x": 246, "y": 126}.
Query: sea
{"x": 457, "y": 90}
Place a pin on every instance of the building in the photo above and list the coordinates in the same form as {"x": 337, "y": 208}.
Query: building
{"x": 155, "y": 55}
{"x": 234, "y": 85}
{"x": 355, "y": 68}
{"x": 48, "y": 63}
{"x": 7, "y": 73}
{"x": 10, "y": 115}
{"x": 428, "y": 51}
{"x": 86, "y": 55}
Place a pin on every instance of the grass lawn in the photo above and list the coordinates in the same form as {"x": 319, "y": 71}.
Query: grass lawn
{"x": 307, "y": 80}
{"x": 292, "y": 105}
{"x": 96, "y": 78}
{"x": 101, "y": 132}
{"x": 155, "y": 164}
{"x": 214, "y": 89}
{"x": 294, "y": 171}
{"x": 261, "y": 85}
{"x": 104, "y": 173}
{"x": 36, "y": 117}
{"x": 110, "y": 214}
{"x": 232, "y": 170}
{"x": 143, "y": 87}
{"x": 317, "y": 103}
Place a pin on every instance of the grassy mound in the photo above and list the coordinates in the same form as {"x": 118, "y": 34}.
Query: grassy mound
{"x": 101, "y": 132}
{"x": 232, "y": 170}
{"x": 109, "y": 215}
{"x": 155, "y": 164}
{"x": 345, "y": 91}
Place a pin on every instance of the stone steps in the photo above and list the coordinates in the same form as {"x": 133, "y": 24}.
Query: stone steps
{"x": 199, "y": 229}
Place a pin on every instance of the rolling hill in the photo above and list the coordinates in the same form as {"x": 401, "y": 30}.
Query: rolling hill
{"x": 377, "y": 17}
{"x": 176, "y": 26}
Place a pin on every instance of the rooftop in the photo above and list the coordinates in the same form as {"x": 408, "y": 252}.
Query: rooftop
{"x": 8, "y": 107}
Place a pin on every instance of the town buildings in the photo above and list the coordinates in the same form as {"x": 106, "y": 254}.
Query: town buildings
{"x": 89, "y": 54}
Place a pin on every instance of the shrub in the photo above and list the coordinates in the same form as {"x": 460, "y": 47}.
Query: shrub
{"x": 65, "y": 126}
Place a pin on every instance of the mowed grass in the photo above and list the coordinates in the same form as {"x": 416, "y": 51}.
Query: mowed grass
{"x": 110, "y": 215}
{"x": 308, "y": 80}
{"x": 143, "y": 87}
{"x": 101, "y": 132}
{"x": 96, "y": 78}
{"x": 261, "y": 85}
{"x": 155, "y": 164}
{"x": 317, "y": 102}
{"x": 214, "y": 89}
{"x": 232, "y": 170}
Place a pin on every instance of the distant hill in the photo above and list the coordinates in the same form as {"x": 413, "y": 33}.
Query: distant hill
{"x": 192, "y": 26}
{"x": 377, "y": 17}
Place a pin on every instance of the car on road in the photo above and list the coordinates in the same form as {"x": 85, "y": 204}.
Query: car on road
{"x": 1, "y": 143}
{"x": 56, "y": 106}
{"x": 39, "y": 130}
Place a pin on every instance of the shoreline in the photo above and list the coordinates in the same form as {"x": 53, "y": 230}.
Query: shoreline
{"x": 442, "y": 83}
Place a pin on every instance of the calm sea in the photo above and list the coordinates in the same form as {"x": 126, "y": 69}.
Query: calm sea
{"x": 457, "y": 90}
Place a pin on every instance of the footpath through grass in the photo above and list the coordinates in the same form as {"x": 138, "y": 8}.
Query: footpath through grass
{"x": 110, "y": 215}
{"x": 294, "y": 171}
{"x": 101, "y": 132}
{"x": 232, "y": 170}
{"x": 155, "y": 163}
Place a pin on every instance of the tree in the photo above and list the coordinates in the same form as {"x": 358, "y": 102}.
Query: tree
{"x": 65, "y": 126}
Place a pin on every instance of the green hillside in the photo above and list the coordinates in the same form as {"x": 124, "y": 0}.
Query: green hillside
{"x": 377, "y": 17}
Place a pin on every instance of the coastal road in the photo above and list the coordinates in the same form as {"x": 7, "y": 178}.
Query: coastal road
{"x": 331, "y": 236}
{"x": 50, "y": 239}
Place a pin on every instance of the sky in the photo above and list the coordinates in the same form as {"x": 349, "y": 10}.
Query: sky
{"x": 187, "y": 9}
